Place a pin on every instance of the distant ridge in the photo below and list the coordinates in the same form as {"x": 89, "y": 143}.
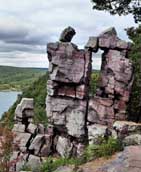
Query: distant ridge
{"x": 17, "y": 78}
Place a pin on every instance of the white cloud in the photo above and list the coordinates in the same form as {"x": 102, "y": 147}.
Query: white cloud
{"x": 26, "y": 26}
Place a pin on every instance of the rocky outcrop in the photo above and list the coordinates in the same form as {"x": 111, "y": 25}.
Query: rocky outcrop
{"x": 116, "y": 80}
{"x": 67, "y": 100}
{"x": 67, "y": 34}
{"x": 31, "y": 142}
{"x": 74, "y": 118}
{"x": 127, "y": 161}
{"x": 69, "y": 108}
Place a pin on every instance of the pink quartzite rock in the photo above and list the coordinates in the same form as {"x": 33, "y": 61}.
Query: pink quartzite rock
{"x": 116, "y": 81}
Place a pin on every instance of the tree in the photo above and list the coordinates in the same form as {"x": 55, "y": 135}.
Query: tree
{"x": 134, "y": 108}
{"x": 120, "y": 7}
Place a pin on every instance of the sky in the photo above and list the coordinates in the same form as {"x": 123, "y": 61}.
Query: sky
{"x": 26, "y": 26}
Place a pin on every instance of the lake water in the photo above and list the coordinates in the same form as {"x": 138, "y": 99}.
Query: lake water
{"x": 7, "y": 98}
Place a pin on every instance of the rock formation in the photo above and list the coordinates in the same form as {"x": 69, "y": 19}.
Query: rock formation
{"x": 74, "y": 118}
{"x": 31, "y": 142}
{"x": 67, "y": 100}
{"x": 113, "y": 93}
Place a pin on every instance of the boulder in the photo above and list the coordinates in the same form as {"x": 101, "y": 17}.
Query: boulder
{"x": 21, "y": 140}
{"x": 32, "y": 128}
{"x": 25, "y": 104}
{"x": 133, "y": 139}
{"x": 41, "y": 129}
{"x": 65, "y": 169}
{"x": 109, "y": 40}
{"x": 92, "y": 44}
{"x": 96, "y": 132}
{"x": 127, "y": 127}
{"x": 47, "y": 146}
{"x": 19, "y": 128}
{"x": 63, "y": 146}
{"x": 34, "y": 162}
{"x": 37, "y": 143}
{"x": 67, "y": 34}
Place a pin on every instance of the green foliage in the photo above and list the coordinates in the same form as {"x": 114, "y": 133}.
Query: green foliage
{"x": 94, "y": 82}
{"x": 36, "y": 90}
{"x": 52, "y": 164}
{"x": 25, "y": 167}
{"x": 120, "y": 7}
{"x": 13, "y": 78}
{"x": 105, "y": 149}
{"x": 134, "y": 108}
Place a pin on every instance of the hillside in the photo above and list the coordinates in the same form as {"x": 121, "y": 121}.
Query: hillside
{"x": 38, "y": 91}
{"x": 14, "y": 78}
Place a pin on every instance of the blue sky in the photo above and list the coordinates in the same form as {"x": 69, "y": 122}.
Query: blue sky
{"x": 26, "y": 26}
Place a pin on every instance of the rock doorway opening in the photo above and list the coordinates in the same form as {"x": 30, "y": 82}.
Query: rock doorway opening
{"x": 96, "y": 71}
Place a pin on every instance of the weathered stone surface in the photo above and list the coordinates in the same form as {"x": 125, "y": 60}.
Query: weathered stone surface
{"x": 41, "y": 129}
{"x": 34, "y": 162}
{"x": 21, "y": 140}
{"x": 68, "y": 106}
{"x": 95, "y": 132}
{"x": 73, "y": 91}
{"x": 64, "y": 146}
{"x": 32, "y": 128}
{"x": 67, "y": 34}
{"x": 26, "y": 104}
{"x": 18, "y": 128}
{"x": 65, "y": 169}
{"x": 69, "y": 113}
{"x": 75, "y": 121}
{"x": 68, "y": 68}
{"x": 109, "y": 40}
{"x": 21, "y": 161}
{"x": 127, "y": 161}
{"x": 37, "y": 143}
{"x": 128, "y": 126}
{"x": 133, "y": 139}
{"x": 100, "y": 113}
{"x": 92, "y": 44}
{"x": 47, "y": 146}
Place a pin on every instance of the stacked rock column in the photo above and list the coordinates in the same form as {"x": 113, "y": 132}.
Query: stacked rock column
{"x": 67, "y": 100}
{"x": 116, "y": 79}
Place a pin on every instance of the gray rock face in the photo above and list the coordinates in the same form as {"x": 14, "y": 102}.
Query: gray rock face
{"x": 32, "y": 128}
{"x": 127, "y": 161}
{"x": 67, "y": 67}
{"x": 128, "y": 126}
{"x": 67, "y": 34}
{"x": 31, "y": 142}
{"x": 18, "y": 128}
{"x": 64, "y": 146}
{"x": 95, "y": 132}
{"x": 92, "y": 44}
{"x": 65, "y": 169}
{"x": 25, "y": 106}
{"x": 21, "y": 140}
{"x": 37, "y": 143}
{"x": 34, "y": 162}
{"x": 133, "y": 139}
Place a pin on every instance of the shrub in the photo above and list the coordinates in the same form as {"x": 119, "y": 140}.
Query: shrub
{"x": 52, "y": 164}
{"x": 6, "y": 137}
{"x": 105, "y": 149}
